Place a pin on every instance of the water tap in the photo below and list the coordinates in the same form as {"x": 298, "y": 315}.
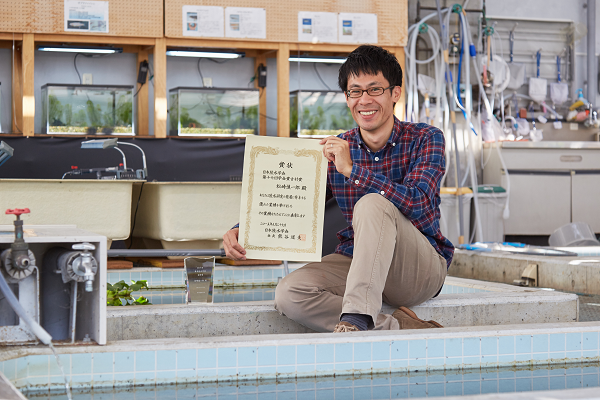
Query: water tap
{"x": 18, "y": 261}
{"x": 85, "y": 265}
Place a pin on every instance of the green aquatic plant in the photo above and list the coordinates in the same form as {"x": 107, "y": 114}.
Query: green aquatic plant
{"x": 119, "y": 294}
{"x": 186, "y": 120}
{"x": 80, "y": 118}
{"x": 55, "y": 110}
{"x": 124, "y": 111}
{"x": 92, "y": 113}
{"x": 68, "y": 112}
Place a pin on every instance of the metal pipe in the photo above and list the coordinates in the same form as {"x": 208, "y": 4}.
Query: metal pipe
{"x": 165, "y": 253}
{"x": 592, "y": 79}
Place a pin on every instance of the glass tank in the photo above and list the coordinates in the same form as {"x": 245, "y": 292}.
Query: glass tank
{"x": 197, "y": 111}
{"x": 319, "y": 113}
{"x": 87, "y": 109}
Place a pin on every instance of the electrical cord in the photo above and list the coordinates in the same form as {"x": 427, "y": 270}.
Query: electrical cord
{"x": 75, "y": 65}
{"x": 319, "y": 75}
{"x": 263, "y": 115}
{"x": 140, "y": 88}
{"x": 135, "y": 215}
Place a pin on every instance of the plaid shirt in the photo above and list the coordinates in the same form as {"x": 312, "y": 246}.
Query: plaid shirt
{"x": 406, "y": 171}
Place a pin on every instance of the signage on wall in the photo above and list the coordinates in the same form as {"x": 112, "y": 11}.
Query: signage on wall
{"x": 245, "y": 22}
{"x": 357, "y": 28}
{"x": 203, "y": 21}
{"x": 317, "y": 27}
{"x": 86, "y": 16}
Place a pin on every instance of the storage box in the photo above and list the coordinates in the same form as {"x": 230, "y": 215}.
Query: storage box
{"x": 492, "y": 199}
{"x": 449, "y": 213}
{"x": 197, "y": 111}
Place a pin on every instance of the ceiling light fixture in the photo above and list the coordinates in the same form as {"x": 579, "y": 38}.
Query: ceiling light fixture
{"x": 84, "y": 50}
{"x": 317, "y": 59}
{"x": 204, "y": 54}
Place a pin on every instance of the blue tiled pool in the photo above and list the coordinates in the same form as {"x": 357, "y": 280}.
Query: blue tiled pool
{"x": 377, "y": 386}
{"x": 220, "y": 295}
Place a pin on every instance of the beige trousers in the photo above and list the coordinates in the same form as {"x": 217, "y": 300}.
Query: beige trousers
{"x": 392, "y": 262}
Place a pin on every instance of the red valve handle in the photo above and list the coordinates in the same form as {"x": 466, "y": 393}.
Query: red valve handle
{"x": 18, "y": 211}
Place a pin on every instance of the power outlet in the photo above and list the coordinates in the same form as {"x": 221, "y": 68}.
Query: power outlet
{"x": 87, "y": 79}
{"x": 207, "y": 82}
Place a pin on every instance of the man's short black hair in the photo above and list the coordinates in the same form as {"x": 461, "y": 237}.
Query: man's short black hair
{"x": 369, "y": 59}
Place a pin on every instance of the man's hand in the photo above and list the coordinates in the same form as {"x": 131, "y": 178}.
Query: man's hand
{"x": 337, "y": 151}
{"x": 232, "y": 248}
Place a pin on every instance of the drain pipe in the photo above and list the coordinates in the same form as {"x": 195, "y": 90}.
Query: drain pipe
{"x": 592, "y": 64}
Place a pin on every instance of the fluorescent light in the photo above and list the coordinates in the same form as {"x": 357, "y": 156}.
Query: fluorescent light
{"x": 203, "y": 54}
{"x": 327, "y": 60}
{"x": 89, "y": 50}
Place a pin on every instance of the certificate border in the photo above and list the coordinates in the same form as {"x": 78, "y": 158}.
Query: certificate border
{"x": 254, "y": 153}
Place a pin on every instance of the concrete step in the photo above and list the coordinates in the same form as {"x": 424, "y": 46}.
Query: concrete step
{"x": 473, "y": 303}
{"x": 570, "y": 274}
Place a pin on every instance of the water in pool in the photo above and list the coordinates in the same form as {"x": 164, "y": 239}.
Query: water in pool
{"x": 377, "y": 386}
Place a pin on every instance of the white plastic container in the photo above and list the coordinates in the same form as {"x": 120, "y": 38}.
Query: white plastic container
{"x": 491, "y": 208}
{"x": 573, "y": 234}
{"x": 449, "y": 214}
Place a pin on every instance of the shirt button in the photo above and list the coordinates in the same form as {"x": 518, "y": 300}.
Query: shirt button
{"x": 393, "y": 144}
{"x": 368, "y": 151}
{"x": 376, "y": 158}
{"x": 356, "y": 181}
{"x": 382, "y": 192}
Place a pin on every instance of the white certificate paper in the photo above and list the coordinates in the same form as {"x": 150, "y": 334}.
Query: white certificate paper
{"x": 357, "y": 28}
{"x": 203, "y": 21}
{"x": 317, "y": 27}
{"x": 86, "y": 16}
{"x": 244, "y": 22}
{"x": 283, "y": 199}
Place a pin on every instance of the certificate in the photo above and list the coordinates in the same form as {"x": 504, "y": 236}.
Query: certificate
{"x": 283, "y": 199}
{"x": 203, "y": 21}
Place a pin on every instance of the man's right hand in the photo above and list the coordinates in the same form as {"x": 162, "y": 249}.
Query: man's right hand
{"x": 232, "y": 248}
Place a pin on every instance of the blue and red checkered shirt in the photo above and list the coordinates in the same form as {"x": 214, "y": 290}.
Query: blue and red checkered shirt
{"x": 406, "y": 171}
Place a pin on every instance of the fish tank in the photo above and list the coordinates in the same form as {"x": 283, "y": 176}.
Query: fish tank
{"x": 87, "y": 109}
{"x": 198, "y": 111}
{"x": 318, "y": 114}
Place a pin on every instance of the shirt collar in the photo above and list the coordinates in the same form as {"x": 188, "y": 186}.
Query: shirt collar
{"x": 394, "y": 137}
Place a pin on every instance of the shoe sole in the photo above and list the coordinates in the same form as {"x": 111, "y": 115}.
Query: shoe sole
{"x": 412, "y": 314}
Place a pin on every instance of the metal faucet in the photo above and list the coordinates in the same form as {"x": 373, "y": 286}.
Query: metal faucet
{"x": 85, "y": 264}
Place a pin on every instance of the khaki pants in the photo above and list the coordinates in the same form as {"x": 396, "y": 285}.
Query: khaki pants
{"x": 393, "y": 262}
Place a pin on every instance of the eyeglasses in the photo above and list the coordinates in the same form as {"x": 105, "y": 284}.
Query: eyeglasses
{"x": 372, "y": 91}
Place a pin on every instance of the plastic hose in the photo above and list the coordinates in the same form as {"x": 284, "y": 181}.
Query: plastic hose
{"x": 14, "y": 303}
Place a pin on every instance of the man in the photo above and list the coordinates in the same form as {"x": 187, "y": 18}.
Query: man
{"x": 385, "y": 176}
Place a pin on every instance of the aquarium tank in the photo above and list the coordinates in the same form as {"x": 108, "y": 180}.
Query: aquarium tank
{"x": 87, "y": 109}
{"x": 316, "y": 113}
{"x": 198, "y": 111}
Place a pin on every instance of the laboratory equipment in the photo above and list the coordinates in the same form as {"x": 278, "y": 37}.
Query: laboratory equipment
{"x": 45, "y": 268}
{"x": 198, "y": 111}
{"x": 317, "y": 113}
{"x": 87, "y": 109}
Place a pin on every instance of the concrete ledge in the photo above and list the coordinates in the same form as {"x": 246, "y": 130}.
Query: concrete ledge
{"x": 571, "y": 274}
{"x": 494, "y": 304}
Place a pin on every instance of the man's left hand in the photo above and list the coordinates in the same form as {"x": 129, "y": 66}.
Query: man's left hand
{"x": 337, "y": 151}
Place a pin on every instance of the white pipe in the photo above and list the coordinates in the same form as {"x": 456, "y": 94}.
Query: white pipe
{"x": 592, "y": 87}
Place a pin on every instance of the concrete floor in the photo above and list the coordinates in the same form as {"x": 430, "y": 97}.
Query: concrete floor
{"x": 589, "y": 308}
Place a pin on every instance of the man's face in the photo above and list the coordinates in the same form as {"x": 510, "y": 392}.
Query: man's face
{"x": 372, "y": 112}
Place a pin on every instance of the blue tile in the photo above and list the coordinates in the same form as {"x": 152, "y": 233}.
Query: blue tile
{"x": 325, "y": 353}
{"x": 435, "y": 348}
{"x": 146, "y": 378}
{"x": 227, "y": 357}
{"x": 540, "y": 384}
{"x": 507, "y": 359}
{"x": 417, "y": 349}
{"x": 363, "y": 366}
{"x": 362, "y": 351}
{"x": 454, "y": 389}
{"x": 267, "y": 355}
{"x": 557, "y": 342}
{"x": 38, "y": 365}
{"x": 453, "y": 362}
{"x": 573, "y": 354}
{"x": 166, "y": 376}
{"x": 540, "y": 343}
{"x": 248, "y": 276}
{"x": 590, "y": 340}
{"x": 10, "y": 369}
{"x": 238, "y": 276}
{"x": 573, "y": 341}
{"x": 343, "y": 352}
{"x": 325, "y": 368}
{"x": 489, "y": 345}
{"x": 523, "y": 344}
{"x": 381, "y": 351}
{"x": 186, "y": 359}
{"x": 308, "y": 369}
{"x": 306, "y": 354}
{"x": 103, "y": 363}
{"x": 145, "y": 361}
{"x": 247, "y": 372}
{"x": 207, "y": 358}
{"x": 166, "y": 360}
{"x": 247, "y": 356}
{"x": 38, "y": 381}
{"x": 398, "y": 365}
{"x": 453, "y": 347}
{"x": 81, "y": 363}
{"x": 568, "y": 382}
{"x": 471, "y": 387}
{"x": 186, "y": 375}
{"x": 506, "y": 385}
{"x": 590, "y": 380}
{"x": 490, "y": 386}
{"x": 286, "y": 355}
{"x": 436, "y": 362}
{"x": 471, "y": 346}
{"x": 473, "y": 361}
{"x": 381, "y": 366}
{"x": 124, "y": 361}
{"x": 399, "y": 350}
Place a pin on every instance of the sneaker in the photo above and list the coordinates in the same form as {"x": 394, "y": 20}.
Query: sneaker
{"x": 409, "y": 320}
{"x": 345, "y": 327}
